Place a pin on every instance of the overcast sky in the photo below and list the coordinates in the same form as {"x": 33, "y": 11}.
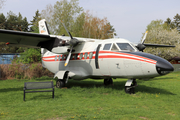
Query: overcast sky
{"x": 129, "y": 17}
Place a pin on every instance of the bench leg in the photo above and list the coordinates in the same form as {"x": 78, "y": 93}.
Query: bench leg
{"x": 24, "y": 95}
{"x": 53, "y": 94}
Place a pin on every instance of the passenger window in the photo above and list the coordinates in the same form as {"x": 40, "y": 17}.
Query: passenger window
{"x": 125, "y": 46}
{"x": 72, "y": 56}
{"x": 56, "y": 58}
{"x": 90, "y": 55}
{"x": 107, "y": 46}
{"x": 59, "y": 58}
{"x": 62, "y": 57}
{"x": 65, "y": 57}
{"x": 85, "y": 55}
{"x": 75, "y": 56}
{"x": 114, "y": 48}
{"x": 81, "y": 56}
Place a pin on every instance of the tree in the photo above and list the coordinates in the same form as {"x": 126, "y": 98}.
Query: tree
{"x": 18, "y": 23}
{"x": 177, "y": 21}
{"x": 169, "y": 24}
{"x": 65, "y": 11}
{"x": 32, "y": 55}
{"x": 12, "y": 22}
{"x": 35, "y": 27}
{"x": 2, "y": 3}
{"x": 156, "y": 24}
{"x": 79, "y": 23}
{"x": 47, "y": 14}
{"x": 2, "y": 21}
{"x": 158, "y": 34}
{"x": 97, "y": 28}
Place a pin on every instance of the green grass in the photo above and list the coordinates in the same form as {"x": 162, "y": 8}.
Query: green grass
{"x": 158, "y": 98}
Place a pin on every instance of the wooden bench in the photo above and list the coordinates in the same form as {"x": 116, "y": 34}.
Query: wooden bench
{"x": 29, "y": 86}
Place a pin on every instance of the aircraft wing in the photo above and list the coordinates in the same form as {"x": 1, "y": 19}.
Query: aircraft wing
{"x": 157, "y": 45}
{"x": 19, "y": 38}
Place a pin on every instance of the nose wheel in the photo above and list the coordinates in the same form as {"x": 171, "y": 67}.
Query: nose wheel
{"x": 130, "y": 86}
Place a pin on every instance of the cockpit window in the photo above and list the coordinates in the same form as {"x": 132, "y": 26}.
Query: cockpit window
{"x": 107, "y": 46}
{"x": 125, "y": 46}
{"x": 114, "y": 48}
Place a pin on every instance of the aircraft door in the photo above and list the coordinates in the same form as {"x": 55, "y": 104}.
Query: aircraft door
{"x": 101, "y": 62}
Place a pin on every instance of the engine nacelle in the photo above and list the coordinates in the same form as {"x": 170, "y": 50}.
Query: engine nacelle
{"x": 60, "y": 50}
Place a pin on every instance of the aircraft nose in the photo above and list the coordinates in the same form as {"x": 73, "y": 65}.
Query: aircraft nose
{"x": 164, "y": 67}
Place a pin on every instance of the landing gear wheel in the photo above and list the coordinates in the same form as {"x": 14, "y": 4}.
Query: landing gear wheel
{"x": 129, "y": 90}
{"x": 108, "y": 81}
{"x": 60, "y": 83}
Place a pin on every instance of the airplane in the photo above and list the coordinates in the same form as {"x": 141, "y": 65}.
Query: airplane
{"x": 79, "y": 58}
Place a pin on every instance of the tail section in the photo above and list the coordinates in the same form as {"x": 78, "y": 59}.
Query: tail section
{"x": 43, "y": 28}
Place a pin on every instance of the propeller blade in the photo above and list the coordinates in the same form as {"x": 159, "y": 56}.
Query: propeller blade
{"x": 67, "y": 30}
{"x": 68, "y": 58}
{"x": 73, "y": 42}
{"x": 142, "y": 42}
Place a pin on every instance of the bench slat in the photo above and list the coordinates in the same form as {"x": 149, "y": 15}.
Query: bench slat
{"x": 39, "y": 91}
{"x": 38, "y": 85}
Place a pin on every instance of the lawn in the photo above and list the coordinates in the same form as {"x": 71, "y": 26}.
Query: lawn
{"x": 157, "y": 98}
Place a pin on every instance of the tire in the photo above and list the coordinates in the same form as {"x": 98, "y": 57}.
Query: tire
{"x": 108, "y": 81}
{"x": 129, "y": 90}
{"x": 60, "y": 83}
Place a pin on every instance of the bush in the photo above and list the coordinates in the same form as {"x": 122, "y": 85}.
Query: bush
{"x": 23, "y": 71}
{"x": 31, "y": 55}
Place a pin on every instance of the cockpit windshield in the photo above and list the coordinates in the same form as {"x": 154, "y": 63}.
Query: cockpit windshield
{"x": 125, "y": 46}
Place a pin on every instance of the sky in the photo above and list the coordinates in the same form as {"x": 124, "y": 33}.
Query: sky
{"x": 129, "y": 17}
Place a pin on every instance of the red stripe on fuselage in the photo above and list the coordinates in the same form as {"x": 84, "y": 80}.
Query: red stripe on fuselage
{"x": 102, "y": 54}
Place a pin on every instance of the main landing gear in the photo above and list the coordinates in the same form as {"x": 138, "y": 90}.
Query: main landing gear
{"x": 108, "y": 81}
{"x": 130, "y": 86}
{"x": 60, "y": 83}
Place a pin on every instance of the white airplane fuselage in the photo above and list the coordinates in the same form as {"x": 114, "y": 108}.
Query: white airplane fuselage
{"x": 91, "y": 61}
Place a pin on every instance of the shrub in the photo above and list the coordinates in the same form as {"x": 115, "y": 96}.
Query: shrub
{"x": 23, "y": 71}
{"x": 31, "y": 55}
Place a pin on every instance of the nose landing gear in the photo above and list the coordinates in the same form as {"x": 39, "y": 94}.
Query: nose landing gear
{"x": 130, "y": 86}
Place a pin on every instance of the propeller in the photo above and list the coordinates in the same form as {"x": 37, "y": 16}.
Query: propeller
{"x": 73, "y": 42}
{"x": 144, "y": 38}
{"x": 141, "y": 46}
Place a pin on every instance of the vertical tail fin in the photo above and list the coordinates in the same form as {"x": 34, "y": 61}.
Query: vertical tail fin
{"x": 43, "y": 28}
